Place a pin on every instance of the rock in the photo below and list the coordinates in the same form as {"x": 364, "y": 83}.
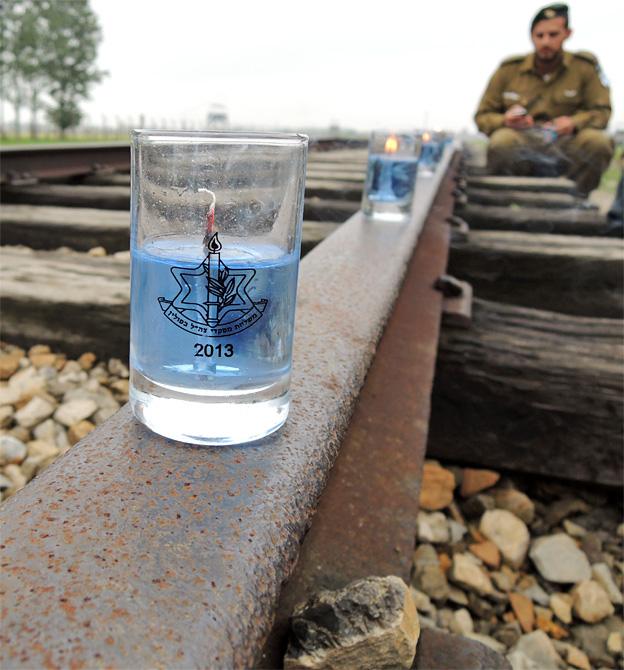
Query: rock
{"x": 40, "y": 360}
{"x": 74, "y": 411}
{"x": 573, "y": 529}
{"x": 559, "y": 560}
{"x": 476, "y": 506}
{"x": 620, "y": 530}
{"x": 488, "y": 552}
{"x": 553, "y": 630}
{"x": 508, "y": 634}
{"x": 423, "y": 602}
{"x": 369, "y": 623}
{"x": 529, "y": 587}
{"x": 470, "y": 576}
{"x": 116, "y": 367}
{"x": 461, "y": 623}
{"x": 5, "y": 483}
{"x": 602, "y": 575}
{"x": 432, "y": 527}
{"x": 97, "y": 252}
{"x": 31, "y": 466}
{"x": 8, "y": 395}
{"x": 505, "y": 579}
{"x": 436, "y": 489}
{"x": 475, "y": 481}
{"x": 122, "y": 389}
{"x": 561, "y": 605}
{"x": 488, "y": 641}
{"x": 516, "y": 502}
{"x": 457, "y": 596}
{"x": 591, "y": 602}
{"x": 78, "y": 431}
{"x": 14, "y": 474}
{"x": 103, "y": 414}
{"x": 87, "y": 360}
{"x": 456, "y": 531}
{"x": 38, "y": 349}
{"x": 538, "y": 649}
{"x": 561, "y": 509}
{"x": 27, "y": 383}
{"x": 6, "y": 415}
{"x": 42, "y": 449}
{"x": 9, "y": 365}
{"x": 614, "y": 643}
{"x": 523, "y": 609}
{"x": 12, "y": 450}
{"x": 591, "y": 545}
{"x": 35, "y": 411}
{"x": 508, "y": 533}
{"x": 428, "y": 575}
{"x": 593, "y": 641}
{"x": 577, "y": 658}
{"x": 441, "y": 651}
{"x": 480, "y": 607}
{"x": 20, "y": 433}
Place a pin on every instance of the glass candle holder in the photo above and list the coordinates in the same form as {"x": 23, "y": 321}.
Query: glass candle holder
{"x": 430, "y": 154}
{"x": 391, "y": 175}
{"x": 215, "y": 244}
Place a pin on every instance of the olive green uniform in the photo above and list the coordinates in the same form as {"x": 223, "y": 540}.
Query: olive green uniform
{"x": 576, "y": 89}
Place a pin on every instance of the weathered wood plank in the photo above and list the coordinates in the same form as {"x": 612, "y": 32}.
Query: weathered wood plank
{"x": 320, "y": 209}
{"x": 504, "y": 198}
{"x": 535, "y": 219}
{"x": 532, "y": 391}
{"x": 563, "y": 273}
{"x": 540, "y": 184}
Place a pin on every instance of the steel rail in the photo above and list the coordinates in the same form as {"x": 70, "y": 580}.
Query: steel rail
{"x": 137, "y": 551}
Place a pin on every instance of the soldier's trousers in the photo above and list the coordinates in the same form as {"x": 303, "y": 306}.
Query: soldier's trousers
{"x": 582, "y": 157}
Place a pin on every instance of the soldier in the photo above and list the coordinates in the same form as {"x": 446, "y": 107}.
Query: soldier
{"x": 545, "y": 112}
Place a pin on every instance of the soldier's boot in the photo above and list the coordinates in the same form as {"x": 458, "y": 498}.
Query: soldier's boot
{"x": 589, "y": 152}
{"x": 507, "y": 153}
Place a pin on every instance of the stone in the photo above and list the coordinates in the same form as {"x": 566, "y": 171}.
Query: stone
{"x": 516, "y": 502}
{"x": 553, "y": 630}
{"x": 12, "y": 450}
{"x": 456, "y": 531}
{"x": 6, "y": 415}
{"x": 505, "y": 578}
{"x": 488, "y": 641}
{"x": 20, "y": 433}
{"x": 8, "y": 395}
{"x": 103, "y": 414}
{"x": 457, "y": 596}
{"x": 34, "y": 411}
{"x": 561, "y": 605}
{"x": 27, "y": 383}
{"x": 445, "y": 561}
{"x": 508, "y": 634}
{"x": 461, "y": 623}
{"x": 591, "y": 545}
{"x": 620, "y": 530}
{"x": 591, "y": 602}
{"x": 117, "y": 367}
{"x": 38, "y": 349}
{"x": 523, "y": 609}
{"x": 31, "y": 466}
{"x": 561, "y": 509}
{"x": 602, "y": 575}
{"x": 78, "y": 431}
{"x": 445, "y": 618}
{"x": 468, "y": 575}
{"x": 476, "y": 506}
{"x": 369, "y": 623}
{"x": 573, "y": 529}
{"x": 5, "y": 483}
{"x": 488, "y": 552}
{"x": 9, "y": 365}
{"x": 42, "y": 448}
{"x": 438, "y": 650}
{"x": 432, "y": 527}
{"x": 14, "y": 474}
{"x": 122, "y": 389}
{"x": 529, "y": 587}
{"x": 538, "y": 649}
{"x": 97, "y": 252}
{"x": 614, "y": 643}
{"x": 593, "y": 641}
{"x": 87, "y": 360}
{"x": 74, "y": 411}
{"x": 475, "y": 481}
{"x": 41, "y": 360}
{"x": 509, "y": 534}
{"x": 558, "y": 559}
{"x": 423, "y": 602}
{"x": 428, "y": 576}
{"x": 577, "y": 658}
{"x": 436, "y": 489}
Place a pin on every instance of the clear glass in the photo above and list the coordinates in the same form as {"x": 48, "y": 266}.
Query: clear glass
{"x": 216, "y": 236}
{"x": 391, "y": 175}
{"x": 431, "y": 152}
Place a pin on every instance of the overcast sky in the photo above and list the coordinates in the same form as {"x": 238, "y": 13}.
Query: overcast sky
{"x": 360, "y": 64}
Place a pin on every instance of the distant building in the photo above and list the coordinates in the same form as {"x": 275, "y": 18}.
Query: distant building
{"x": 218, "y": 117}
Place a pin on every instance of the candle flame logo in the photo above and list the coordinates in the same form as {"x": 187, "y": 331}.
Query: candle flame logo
{"x": 392, "y": 144}
{"x": 426, "y": 137}
{"x": 214, "y": 245}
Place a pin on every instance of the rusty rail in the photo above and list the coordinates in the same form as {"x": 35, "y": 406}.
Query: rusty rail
{"x": 137, "y": 551}
{"x": 25, "y": 164}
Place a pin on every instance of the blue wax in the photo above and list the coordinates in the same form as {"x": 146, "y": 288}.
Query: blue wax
{"x": 390, "y": 179}
{"x": 220, "y": 330}
{"x": 430, "y": 154}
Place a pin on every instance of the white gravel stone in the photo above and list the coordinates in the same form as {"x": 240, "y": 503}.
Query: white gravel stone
{"x": 529, "y": 587}
{"x": 42, "y": 448}
{"x": 74, "y": 411}
{"x": 116, "y": 367}
{"x": 602, "y": 575}
{"x": 6, "y": 415}
{"x": 509, "y": 534}
{"x": 14, "y": 474}
{"x": 456, "y": 531}
{"x": 559, "y": 560}
{"x": 35, "y": 411}
{"x": 488, "y": 641}
{"x": 573, "y": 529}
{"x": 9, "y": 395}
{"x": 561, "y": 605}
{"x": 432, "y": 527}
{"x": 462, "y": 623}
{"x": 12, "y": 450}
{"x": 470, "y": 576}
{"x": 538, "y": 648}
{"x": 516, "y": 502}
{"x": 5, "y": 483}
{"x": 591, "y": 602}
{"x": 614, "y": 643}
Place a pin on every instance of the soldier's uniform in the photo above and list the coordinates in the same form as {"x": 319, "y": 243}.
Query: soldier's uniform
{"x": 577, "y": 89}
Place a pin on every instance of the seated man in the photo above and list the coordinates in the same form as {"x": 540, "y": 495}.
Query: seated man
{"x": 545, "y": 112}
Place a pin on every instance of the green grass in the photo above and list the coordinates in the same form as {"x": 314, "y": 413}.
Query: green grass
{"x": 13, "y": 140}
{"x": 612, "y": 174}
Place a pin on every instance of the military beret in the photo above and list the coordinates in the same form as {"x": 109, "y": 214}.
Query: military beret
{"x": 550, "y": 12}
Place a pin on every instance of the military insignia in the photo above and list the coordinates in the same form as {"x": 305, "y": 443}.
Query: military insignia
{"x": 212, "y": 298}
{"x": 550, "y": 13}
{"x": 511, "y": 95}
{"x": 570, "y": 93}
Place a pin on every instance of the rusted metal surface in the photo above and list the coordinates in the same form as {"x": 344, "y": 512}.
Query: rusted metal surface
{"x": 134, "y": 551}
{"x": 366, "y": 520}
{"x": 21, "y": 164}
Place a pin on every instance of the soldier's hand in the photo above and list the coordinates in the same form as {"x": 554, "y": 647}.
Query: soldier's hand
{"x": 517, "y": 118}
{"x": 563, "y": 125}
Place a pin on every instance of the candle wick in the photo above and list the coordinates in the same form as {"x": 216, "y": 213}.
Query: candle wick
{"x": 210, "y": 219}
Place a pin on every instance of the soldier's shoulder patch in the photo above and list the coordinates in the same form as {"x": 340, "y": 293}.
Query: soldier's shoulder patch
{"x": 588, "y": 56}
{"x": 513, "y": 59}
